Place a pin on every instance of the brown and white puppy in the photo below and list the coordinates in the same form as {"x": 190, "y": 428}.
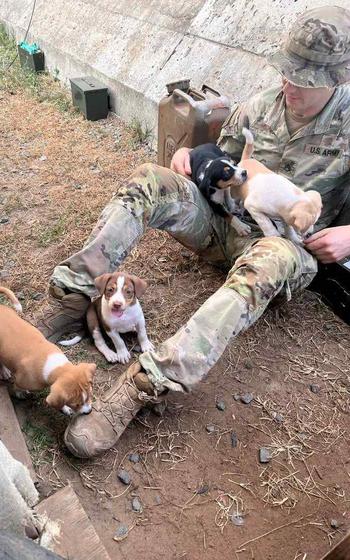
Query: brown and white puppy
{"x": 267, "y": 196}
{"x": 118, "y": 310}
{"x": 34, "y": 363}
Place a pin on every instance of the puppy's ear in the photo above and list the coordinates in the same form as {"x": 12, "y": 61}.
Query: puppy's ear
{"x": 139, "y": 285}
{"x": 56, "y": 397}
{"x": 101, "y": 282}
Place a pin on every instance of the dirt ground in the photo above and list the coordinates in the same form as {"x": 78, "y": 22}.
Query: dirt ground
{"x": 203, "y": 491}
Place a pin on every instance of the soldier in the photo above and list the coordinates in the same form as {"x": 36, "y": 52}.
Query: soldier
{"x": 302, "y": 131}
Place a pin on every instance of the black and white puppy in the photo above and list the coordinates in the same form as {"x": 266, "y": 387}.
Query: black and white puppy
{"x": 214, "y": 172}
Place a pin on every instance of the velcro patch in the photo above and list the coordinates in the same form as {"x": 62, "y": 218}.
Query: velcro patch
{"x": 321, "y": 151}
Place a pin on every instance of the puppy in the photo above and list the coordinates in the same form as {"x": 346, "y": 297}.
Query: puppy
{"x": 35, "y": 363}
{"x": 214, "y": 172}
{"x": 118, "y": 310}
{"x": 267, "y": 196}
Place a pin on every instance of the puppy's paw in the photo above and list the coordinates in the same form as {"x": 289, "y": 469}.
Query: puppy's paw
{"x": 243, "y": 229}
{"x": 111, "y": 357}
{"x": 123, "y": 356}
{"x": 146, "y": 346}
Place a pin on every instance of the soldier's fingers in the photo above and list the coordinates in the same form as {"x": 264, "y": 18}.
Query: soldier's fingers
{"x": 316, "y": 236}
{"x": 316, "y": 245}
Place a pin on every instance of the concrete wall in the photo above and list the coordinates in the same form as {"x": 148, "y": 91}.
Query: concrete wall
{"x": 136, "y": 46}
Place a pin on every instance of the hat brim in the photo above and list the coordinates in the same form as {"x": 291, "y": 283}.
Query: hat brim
{"x": 303, "y": 74}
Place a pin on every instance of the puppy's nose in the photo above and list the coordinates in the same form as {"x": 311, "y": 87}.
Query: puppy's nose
{"x": 244, "y": 174}
{"x": 116, "y": 305}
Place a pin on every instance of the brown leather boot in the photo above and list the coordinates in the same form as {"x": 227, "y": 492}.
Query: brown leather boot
{"x": 89, "y": 435}
{"x": 67, "y": 315}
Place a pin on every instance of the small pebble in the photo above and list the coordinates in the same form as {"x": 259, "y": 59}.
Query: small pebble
{"x": 134, "y": 458}
{"x": 124, "y": 477}
{"x": 234, "y": 439}
{"x": 43, "y": 158}
{"x": 237, "y": 397}
{"x": 210, "y": 428}
{"x": 220, "y": 405}
{"x": 247, "y": 398}
{"x": 121, "y": 533}
{"x": 136, "y": 505}
{"x": 203, "y": 489}
{"x": 158, "y": 500}
{"x": 264, "y": 455}
{"x": 237, "y": 520}
{"x": 315, "y": 388}
{"x": 334, "y": 524}
{"x": 4, "y": 220}
{"x": 277, "y": 417}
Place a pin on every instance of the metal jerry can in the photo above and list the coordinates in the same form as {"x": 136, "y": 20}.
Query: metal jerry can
{"x": 188, "y": 117}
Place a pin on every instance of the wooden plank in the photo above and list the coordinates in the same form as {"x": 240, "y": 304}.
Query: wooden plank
{"x": 78, "y": 538}
{"x": 341, "y": 551}
{"x": 11, "y": 433}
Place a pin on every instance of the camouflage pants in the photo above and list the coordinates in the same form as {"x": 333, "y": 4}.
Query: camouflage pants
{"x": 259, "y": 268}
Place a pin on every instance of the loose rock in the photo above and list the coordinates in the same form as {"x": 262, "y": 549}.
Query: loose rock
{"x": 124, "y": 477}
{"x": 4, "y": 220}
{"x": 203, "y": 489}
{"x": 210, "y": 428}
{"x": 315, "y": 388}
{"x": 136, "y": 505}
{"x": 237, "y": 520}
{"x": 234, "y": 439}
{"x": 158, "y": 500}
{"x": 121, "y": 533}
{"x": 237, "y": 397}
{"x": 264, "y": 455}
{"x": 247, "y": 398}
{"x": 134, "y": 458}
{"x": 334, "y": 524}
{"x": 277, "y": 417}
{"x": 220, "y": 405}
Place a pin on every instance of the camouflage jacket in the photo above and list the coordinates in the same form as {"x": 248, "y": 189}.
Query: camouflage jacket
{"x": 316, "y": 157}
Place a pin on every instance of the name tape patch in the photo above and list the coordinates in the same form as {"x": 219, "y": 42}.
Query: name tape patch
{"x": 321, "y": 151}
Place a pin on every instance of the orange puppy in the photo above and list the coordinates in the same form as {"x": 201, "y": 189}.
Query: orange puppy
{"x": 36, "y": 363}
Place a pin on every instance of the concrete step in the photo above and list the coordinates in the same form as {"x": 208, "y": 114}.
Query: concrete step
{"x": 11, "y": 433}
{"x": 78, "y": 539}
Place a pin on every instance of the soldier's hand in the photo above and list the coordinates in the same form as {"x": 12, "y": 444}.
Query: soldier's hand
{"x": 330, "y": 244}
{"x": 180, "y": 162}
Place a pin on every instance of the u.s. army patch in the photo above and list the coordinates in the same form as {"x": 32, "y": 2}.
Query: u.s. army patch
{"x": 312, "y": 149}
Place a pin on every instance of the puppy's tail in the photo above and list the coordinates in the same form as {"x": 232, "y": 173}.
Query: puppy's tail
{"x": 12, "y": 298}
{"x": 71, "y": 342}
{"x": 249, "y": 144}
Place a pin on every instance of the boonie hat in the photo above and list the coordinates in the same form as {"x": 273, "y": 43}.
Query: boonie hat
{"x": 317, "y": 50}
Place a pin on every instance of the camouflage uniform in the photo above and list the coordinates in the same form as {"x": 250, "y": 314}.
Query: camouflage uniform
{"x": 316, "y": 156}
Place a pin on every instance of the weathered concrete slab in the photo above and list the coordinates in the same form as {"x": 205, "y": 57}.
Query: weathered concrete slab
{"x": 135, "y": 47}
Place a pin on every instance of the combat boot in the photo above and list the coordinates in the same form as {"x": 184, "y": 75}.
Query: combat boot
{"x": 67, "y": 315}
{"x": 89, "y": 435}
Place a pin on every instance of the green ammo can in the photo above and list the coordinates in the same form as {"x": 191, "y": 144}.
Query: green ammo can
{"x": 31, "y": 57}
{"x": 91, "y": 97}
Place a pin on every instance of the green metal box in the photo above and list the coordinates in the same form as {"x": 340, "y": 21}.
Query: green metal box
{"x": 91, "y": 97}
{"x": 30, "y": 58}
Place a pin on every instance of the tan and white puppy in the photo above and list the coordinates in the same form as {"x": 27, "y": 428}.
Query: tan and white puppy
{"x": 267, "y": 196}
{"x": 34, "y": 363}
{"x": 118, "y": 310}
